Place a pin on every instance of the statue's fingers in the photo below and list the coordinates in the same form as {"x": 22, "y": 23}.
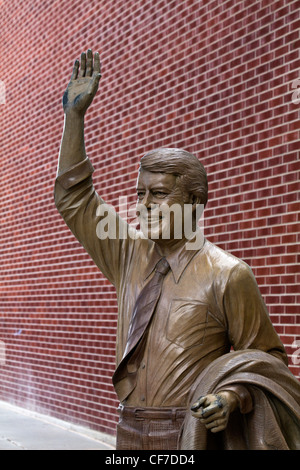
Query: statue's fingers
{"x": 201, "y": 401}
{"x": 219, "y": 414}
{"x": 97, "y": 64}
{"x": 82, "y": 64}
{"x": 209, "y": 410}
{"x": 216, "y": 426}
{"x": 75, "y": 70}
{"x": 89, "y": 63}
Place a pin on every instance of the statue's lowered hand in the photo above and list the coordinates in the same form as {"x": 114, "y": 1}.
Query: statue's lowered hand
{"x": 214, "y": 410}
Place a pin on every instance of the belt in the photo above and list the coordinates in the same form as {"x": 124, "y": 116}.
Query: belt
{"x": 141, "y": 414}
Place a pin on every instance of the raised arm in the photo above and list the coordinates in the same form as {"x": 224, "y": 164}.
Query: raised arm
{"x": 77, "y": 98}
{"x": 84, "y": 211}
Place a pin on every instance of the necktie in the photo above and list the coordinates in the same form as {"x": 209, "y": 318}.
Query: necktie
{"x": 142, "y": 313}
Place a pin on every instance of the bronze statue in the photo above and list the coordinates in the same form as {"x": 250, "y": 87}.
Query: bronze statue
{"x": 181, "y": 310}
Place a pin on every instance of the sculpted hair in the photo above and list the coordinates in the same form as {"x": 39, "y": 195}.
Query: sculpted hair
{"x": 179, "y": 163}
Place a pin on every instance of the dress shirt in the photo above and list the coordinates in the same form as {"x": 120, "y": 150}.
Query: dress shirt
{"x": 210, "y": 300}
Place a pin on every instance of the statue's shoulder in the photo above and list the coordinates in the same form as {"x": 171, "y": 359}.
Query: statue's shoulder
{"x": 224, "y": 262}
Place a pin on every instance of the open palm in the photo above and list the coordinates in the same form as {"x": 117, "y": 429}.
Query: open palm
{"x": 83, "y": 84}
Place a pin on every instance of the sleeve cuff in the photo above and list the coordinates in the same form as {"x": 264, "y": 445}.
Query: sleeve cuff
{"x": 243, "y": 395}
{"x": 76, "y": 174}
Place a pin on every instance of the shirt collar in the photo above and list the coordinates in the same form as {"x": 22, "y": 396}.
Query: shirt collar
{"x": 178, "y": 260}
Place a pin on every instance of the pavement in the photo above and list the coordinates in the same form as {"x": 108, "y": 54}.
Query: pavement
{"x": 24, "y": 430}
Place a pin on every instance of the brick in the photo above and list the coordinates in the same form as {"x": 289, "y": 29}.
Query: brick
{"x": 211, "y": 77}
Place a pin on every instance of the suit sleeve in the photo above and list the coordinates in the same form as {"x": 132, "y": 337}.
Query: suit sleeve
{"x": 249, "y": 324}
{"x": 95, "y": 224}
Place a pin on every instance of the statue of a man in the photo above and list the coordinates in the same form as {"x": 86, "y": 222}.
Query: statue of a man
{"x": 181, "y": 308}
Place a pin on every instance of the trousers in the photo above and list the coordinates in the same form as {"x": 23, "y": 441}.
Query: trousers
{"x": 149, "y": 428}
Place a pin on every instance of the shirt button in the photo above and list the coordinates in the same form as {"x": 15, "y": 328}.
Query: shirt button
{"x": 143, "y": 366}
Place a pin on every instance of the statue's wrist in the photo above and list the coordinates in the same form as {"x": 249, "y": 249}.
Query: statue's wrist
{"x": 73, "y": 114}
{"x": 243, "y": 396}
{"x": 231, "y": 398}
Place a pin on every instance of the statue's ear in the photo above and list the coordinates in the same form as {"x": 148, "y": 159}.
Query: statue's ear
{"x": 196, "y": 200}
{"x": 198, "y": 207}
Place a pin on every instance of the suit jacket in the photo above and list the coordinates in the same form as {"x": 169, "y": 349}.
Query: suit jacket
{"x": 210, "y": 300}
{"x": 274, "y": 420}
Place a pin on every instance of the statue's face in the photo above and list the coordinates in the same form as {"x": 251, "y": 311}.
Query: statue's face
{"x": 157, "y": 193}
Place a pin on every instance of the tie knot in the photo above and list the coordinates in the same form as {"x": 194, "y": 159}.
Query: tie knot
{"x": 162, "y": 266}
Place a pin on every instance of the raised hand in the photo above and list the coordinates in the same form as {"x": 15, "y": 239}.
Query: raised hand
{"x": 83, "y": 84}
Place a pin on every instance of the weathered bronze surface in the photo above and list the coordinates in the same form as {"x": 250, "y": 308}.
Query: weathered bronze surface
{"x": 181, "y": 309}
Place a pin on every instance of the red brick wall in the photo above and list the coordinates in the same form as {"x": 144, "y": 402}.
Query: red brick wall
{"x": 216, "y": 78}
